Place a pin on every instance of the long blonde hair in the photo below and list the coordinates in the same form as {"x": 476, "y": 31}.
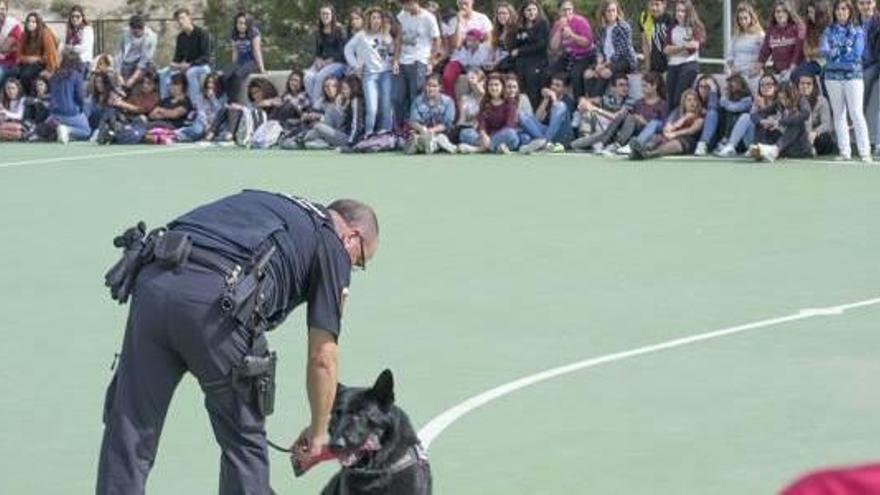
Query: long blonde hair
{"x": 755, "y": 24}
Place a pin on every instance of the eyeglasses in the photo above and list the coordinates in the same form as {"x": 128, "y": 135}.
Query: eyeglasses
{"x": 361, "y": 263}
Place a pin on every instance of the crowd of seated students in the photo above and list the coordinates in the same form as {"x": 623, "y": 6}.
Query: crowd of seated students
{"x": 424, "y": 81}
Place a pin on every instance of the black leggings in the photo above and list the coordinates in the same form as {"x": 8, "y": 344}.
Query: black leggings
{"x": 532, "y": 75}
{"x": 678, "y": 80}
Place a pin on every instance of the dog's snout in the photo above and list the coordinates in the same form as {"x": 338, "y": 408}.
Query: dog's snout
{"x": 337, "y": 444}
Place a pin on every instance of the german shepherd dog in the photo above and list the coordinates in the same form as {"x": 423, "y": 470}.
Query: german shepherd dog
{"x": 374, "y": 441}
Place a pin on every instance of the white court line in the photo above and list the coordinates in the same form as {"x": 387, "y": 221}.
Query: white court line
{"x": 438, "y": 424}
{"x": 60, "y": 159}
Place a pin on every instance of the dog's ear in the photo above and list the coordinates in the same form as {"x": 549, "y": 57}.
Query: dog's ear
{"x": 383, "y": 389}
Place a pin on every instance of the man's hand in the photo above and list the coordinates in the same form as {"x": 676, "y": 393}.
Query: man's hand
{"x": 308, "y": 444}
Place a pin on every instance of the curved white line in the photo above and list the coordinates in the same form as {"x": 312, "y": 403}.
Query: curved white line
{"x": 149, "y": 151}
{"x": 438, "y": 424}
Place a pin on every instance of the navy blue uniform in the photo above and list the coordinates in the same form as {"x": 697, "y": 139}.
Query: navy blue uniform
{"x": 176, "y": 325}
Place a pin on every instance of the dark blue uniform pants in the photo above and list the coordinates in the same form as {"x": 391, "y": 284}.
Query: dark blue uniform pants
{"x": 175, "y": 326}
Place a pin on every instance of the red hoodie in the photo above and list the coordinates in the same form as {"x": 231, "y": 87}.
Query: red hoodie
{"x": 785, "y": 45}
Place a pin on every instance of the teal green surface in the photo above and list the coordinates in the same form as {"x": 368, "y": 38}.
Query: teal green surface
{"x": 490, "y": 268}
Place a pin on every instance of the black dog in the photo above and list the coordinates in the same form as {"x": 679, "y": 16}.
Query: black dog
{"x": 376, "y": 444}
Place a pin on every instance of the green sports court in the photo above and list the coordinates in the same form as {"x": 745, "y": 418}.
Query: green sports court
{"x": 491, "y": 269}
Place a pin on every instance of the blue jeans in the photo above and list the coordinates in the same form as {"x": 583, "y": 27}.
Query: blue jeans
{"x": 78, "y": 124}
{"x": 743, "y": 130}
{"x": 194, "y": 77}
{"x": 506, "y": 136}
{"x": 555, "y": 130}
{"x": 377, "y": 100}
{"x": 651, "y": 128}
{"x": 710, "y": 126}
{"x": 195, "y": 131}
{"x": 313, "y": 80}
{"x": 408, "y": 84}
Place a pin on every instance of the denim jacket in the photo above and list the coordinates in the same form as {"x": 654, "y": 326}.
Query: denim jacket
{"x": 842, "y": 47}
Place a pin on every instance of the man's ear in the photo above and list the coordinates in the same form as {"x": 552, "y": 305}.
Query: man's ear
{"x": 383, "y": 389}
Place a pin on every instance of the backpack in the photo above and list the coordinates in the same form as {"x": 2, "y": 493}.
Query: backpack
{"x": 267, "y": 135}
{"x": 129, "y": 133}
{"x": 251, "y": 119}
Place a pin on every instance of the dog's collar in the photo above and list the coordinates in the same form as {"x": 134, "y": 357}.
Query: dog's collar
{"x": 414, "y": 455}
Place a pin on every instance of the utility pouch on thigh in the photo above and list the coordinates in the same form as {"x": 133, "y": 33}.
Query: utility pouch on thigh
{"x": 172, "y": 249}
{"x": 255, "y": 377}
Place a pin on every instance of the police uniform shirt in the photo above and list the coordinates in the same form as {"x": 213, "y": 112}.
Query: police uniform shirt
{"x": 310, "y": 263}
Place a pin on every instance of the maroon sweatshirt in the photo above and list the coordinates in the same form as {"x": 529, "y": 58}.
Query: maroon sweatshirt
{"x": 785, "y": 45}
{"x": 493, "y": 118}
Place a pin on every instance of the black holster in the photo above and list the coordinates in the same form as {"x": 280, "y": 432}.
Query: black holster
{"x": 255, "y": 379}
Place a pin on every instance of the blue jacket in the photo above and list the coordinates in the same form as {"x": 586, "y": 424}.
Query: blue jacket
{"x": 66, "y": 94}
{"x": 842, "y": 47}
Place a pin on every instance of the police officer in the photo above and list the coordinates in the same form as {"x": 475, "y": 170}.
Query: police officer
{"x": 203, "y": 292}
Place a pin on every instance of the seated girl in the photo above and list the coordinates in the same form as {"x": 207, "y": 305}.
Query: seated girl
{"x": 37, "y": 109}
{"x": 172, "y": 112}
{"x": 468, "y": 102}
{"x": 708, "y": 90}
{"x": 793, "y": 125}
{"x": 680, "y": 134}
{"x": 745, "y": 130}
{"x": 496, "y": 123}
{"x": 821, "y": 125}
{"x": 432, "y": 117}
{"x": 294, "y": 104}
{"x": 343, "y": 124}
{"x": 736, "y": 101}
{"x": 205, "y": 112}
{"x": 12, "y": 110}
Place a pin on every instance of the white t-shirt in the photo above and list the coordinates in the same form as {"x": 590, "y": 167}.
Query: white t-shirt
{"x": 417, "y": 34}
{"x": 476, "y": 21}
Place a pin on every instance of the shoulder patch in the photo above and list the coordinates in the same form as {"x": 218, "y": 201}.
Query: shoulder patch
{"x": 343, "y": 298}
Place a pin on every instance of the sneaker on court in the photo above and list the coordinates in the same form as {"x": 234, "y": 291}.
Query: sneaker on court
{"x": 727, "y": 151}
{"x": 754, "y": 152}
{"x": 769, "y": 152}
{"x": 411, "y": 145}
{"x": 867, "y": 159}
{"x": 842, "y": 158}
{"x": 624, "y": 150}
{"x": 444, "y": 144}
{"x": 555, "y": 148}
{"x": 609, "y": 150}
{"x": 533, "y": 146}
{"x": 502, "y": 149}
{"x": 63, "y": 134}
{"x": 701, "y": 149}
{"x": 598, "y": 148}
{"x": 467, "y": 149}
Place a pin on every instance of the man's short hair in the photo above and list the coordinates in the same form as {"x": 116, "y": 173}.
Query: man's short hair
{"x": 182, "y": 10}
{"x": 179, "y": 79}
{"x": 136, "y": 21}
{"x": 560, "y": 76}
{"x": 357, "y": 215}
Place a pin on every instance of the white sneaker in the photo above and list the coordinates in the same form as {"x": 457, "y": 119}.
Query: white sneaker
{"x": 769, "y": 153}
{"x": 701, "y": 149}
{"x": 610, "y": 150}
{"x": 867, "y": 159}
{"x": 533, "y": 146}
{"x": 502, "y": 149}
{"x": 727, "y": 151}
{"x": 598, "y": 148}
{"x": 466, "y": 149}
{"x": 626, "y": 150}
{"x": 842, "y": 158}
{"x": 444, "y": 144}
{"x": 754, "y": 152}
{"x": 63, "y": 134}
